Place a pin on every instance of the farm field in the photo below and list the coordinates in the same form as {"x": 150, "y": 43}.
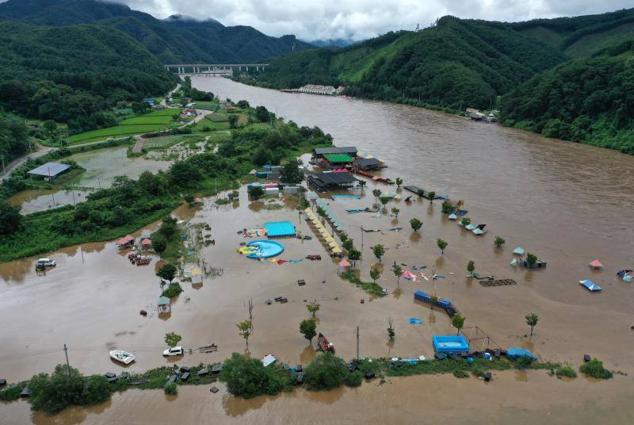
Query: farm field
{"x": 153, "y": 121}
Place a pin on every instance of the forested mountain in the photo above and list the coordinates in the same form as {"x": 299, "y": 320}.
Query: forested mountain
{"x": 590, "y": 100}
{"x": 14, "y": 138}
{"x": 72, "y": 74}
{"x": 455, "y": 64}
{"x": 581, "y": 36}
{"x": 173, "y": 40}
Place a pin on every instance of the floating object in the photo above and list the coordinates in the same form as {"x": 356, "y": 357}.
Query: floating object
{"x": 596, "y": 264}
{"x": 487, "y": 376}
{"x": 415, "y": 321}
{"x": 497, "y": 282}
{"x": 515, "y": 353}
{"x": 44, "y": 263}
{"x": 514, "y": 262}
{"x": 519, "y": 251}
{"x": 268, "y": 360}
{"x": 590, "y": 285}
{"x": 452, "y": 216}
{"x": 470, "y": 227}
{"x": 478, "y": 232}
{"x": 214, "y": 390}
{"x": 408, "y": 275}
{"x": 122, "y": 356}
{"x": 345, "y": 196}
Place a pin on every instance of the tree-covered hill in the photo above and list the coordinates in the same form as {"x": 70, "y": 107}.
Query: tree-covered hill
{"x": 173, "y": 40}
{"x": 72, "y": 74}
{"x": 581, "y": 36}
{"x": 455, "y": 64}
{"x": 589, "y": 100}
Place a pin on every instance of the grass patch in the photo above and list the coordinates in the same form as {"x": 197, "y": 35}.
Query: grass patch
{"x": 565, "y": 371}
{"x": 369, "y": 287}
{"x": 594, "y": 369}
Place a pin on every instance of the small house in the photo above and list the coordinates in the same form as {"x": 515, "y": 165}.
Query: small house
{"x": 163, "y": 305}
{"x": 320, "y": 154}
{"x": 49, "y": 171}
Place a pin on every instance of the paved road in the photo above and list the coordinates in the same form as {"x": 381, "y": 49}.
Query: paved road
{"x": 6, "y": 173}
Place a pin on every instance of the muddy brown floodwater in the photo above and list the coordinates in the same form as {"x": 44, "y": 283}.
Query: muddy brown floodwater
{"x": 565, "y": 202}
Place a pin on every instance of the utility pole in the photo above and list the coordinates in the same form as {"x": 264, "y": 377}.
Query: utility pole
{"x": 357, "y": 342}
{"x": 67, "y": 363}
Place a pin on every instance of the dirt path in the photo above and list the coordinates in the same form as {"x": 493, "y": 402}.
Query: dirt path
{"x": 6, "y": 172}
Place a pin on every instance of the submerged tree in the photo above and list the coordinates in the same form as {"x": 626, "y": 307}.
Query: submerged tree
{"x": 470, "y": 267}
{"x": 313, "y": 308}
{"x": 167, "y": 272}
{"x": 416, "y": 224}
{"x": 531, "y": 260}
{"x": 499, "y": 242}
{"x": 379, "y": 251}
{"x": 172, "y": 339}
{"x": 308, "y": 328}
{"x": 390, "y": 330}
{"x": 431, "y": 196}
{"x": 395, "y": 212}
{"x": 399, "y": 182}
{"x": 458, "y": 322}
{"x": 398, "y": 271}
{"x": 354, "y": 256}
{"x": 375, "y": 273}
{"x": 442, "y": 244}
{"x": 531, "y": 320}
{"x": 245, "y": 328}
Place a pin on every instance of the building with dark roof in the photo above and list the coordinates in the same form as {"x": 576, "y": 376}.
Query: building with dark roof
{"x": 368, "y": 164}
{"x": 327, "y": 181}
{"x": 348, "y": 150}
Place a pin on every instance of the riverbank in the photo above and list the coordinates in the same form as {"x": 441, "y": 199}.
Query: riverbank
{"x": 129, "y": 205}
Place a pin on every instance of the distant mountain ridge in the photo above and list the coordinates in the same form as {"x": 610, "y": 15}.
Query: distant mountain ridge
{"x": 173, "y": 40}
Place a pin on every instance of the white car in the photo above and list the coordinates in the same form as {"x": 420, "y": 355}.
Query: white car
{"x": 45, "y": 262}
{"x": 173, "y": 351}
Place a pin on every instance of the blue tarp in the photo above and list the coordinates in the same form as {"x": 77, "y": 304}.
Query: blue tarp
{"x": 590, "y": 285}
{"x": 515, "y": 353}
{"x": 450, "y": 344}
{"x": 415, "y": 321}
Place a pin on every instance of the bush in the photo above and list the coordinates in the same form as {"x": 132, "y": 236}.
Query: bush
{"x": 594, "y": 369}
{"x": 173, "y": 290}
{"x": 66, "y": 387}
{"x": 247, "y": 378}
{"x": 353, "y": 379}
{"x": 565, "y": 372}
{"x": 170, "y": 388}
{"x": 256, "y": 192}
{"x": 325, "y": 372}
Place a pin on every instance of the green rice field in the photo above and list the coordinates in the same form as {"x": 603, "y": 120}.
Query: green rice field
{"x": 153, "y": 121}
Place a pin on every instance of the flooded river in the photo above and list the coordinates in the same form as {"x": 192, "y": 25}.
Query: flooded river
{"x": 567, "y": 203}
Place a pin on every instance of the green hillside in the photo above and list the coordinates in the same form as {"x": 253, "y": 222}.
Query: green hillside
{"x": 586, "y": 100}
{"x": 455, "y": 64}
{"x": 581, "y": 36}
{"x": 72, "y": 74}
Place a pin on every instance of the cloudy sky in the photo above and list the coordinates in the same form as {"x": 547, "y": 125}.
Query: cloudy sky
{"x": 360, "y": 19}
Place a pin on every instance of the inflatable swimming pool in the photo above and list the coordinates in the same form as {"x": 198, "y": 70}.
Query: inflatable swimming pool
{"x": 264, "y": 249}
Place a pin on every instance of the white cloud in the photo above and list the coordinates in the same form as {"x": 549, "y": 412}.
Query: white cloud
{"x": 359, "y": 19}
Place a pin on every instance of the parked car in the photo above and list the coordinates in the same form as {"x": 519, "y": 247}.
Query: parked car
{"x": 43, "y": 263}
{"x": 173, "y": 351}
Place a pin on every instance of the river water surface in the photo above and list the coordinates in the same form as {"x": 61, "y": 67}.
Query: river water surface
{"x": 565, "y": 202}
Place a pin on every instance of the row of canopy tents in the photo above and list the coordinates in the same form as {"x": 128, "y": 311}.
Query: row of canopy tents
{"x": 329, "y": 215}
{"x": 321, "y": 231}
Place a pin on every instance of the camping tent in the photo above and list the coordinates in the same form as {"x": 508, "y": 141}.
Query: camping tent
{"x": 596, "y": 264}
{"x": 408, "y": 275}
{"x": 519, "y": 251}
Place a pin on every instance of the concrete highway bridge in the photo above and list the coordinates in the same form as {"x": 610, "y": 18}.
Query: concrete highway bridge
{"x": 215, "y": 69}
